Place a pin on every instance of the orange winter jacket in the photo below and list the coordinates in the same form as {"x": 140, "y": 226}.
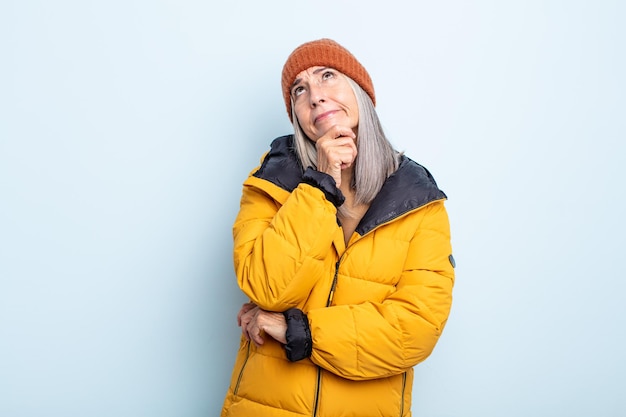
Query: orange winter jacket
{"x": 376, "y": 306}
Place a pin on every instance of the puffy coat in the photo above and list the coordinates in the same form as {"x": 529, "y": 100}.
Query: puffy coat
{"x": 376, "y": 306}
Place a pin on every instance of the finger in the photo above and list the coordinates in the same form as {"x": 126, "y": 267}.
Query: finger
{"x": 254, "y": 329}
{"x": 244, "y": 309}
{"x": 248, "y": 313}
{"x": 244, "y": 329}
{"x": 341, "y": 145}
{"x": 338, "y": 131}
{"x": 247, "y": 321}
{"x": 256, "y": 336}
{"x": 273, "y": 325}
{"x": 345, "y": 156}
{"x": 248, "y": 329}
{"x": 332, "y": 143}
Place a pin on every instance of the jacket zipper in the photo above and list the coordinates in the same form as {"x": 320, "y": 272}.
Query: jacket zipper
{"x": 317, "y": 391}
{"x": 402, "y": 396}
{"x": 333, "y": 285}
{"x": 319, "y": 370}
{"x": 236, "y": 390}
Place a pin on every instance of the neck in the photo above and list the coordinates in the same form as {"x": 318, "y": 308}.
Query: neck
{"x": 346, "y": 180}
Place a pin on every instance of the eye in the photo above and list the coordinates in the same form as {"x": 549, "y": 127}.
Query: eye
{"x": 297, "y": 91}
{"x": 327, "y": 74}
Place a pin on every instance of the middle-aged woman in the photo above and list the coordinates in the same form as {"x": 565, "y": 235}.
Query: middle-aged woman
{"x": 342, "y": 245}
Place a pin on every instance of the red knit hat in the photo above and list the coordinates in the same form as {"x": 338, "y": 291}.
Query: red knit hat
{"x": 324, "y": 52}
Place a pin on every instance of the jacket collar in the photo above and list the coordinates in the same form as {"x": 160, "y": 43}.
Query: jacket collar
{"x": 407, "y": 189}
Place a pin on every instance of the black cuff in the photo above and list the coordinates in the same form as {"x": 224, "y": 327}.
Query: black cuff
{"x": 326, "y": 183}
{"x": 299, "y": 343}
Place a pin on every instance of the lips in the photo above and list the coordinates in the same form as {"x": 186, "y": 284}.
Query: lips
{"x": 324, "y": 115}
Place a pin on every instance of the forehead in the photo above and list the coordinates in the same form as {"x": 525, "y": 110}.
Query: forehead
{"x": 310, "y": 72}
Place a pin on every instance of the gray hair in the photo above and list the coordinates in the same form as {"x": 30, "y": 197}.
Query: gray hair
{"x": 376, "y": 159}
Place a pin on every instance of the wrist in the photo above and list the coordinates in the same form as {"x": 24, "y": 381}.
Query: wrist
{"x": 326, "y": 184}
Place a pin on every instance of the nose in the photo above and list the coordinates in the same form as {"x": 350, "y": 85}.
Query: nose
{"x": 316, "y": 95}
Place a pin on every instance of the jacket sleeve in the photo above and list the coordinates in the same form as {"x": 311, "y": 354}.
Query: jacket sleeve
{"x": 280, "y": 246}
{"x": 374, "y": 340}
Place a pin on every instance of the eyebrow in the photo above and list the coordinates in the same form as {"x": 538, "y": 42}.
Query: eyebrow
{"x": 297, "y": 80}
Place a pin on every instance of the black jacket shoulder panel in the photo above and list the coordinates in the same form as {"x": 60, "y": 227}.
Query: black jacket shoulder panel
{"x": 281, "y": 166}
{"x": 410, "y": 187}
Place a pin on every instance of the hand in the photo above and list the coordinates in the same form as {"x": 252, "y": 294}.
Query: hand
{"x": 244, "y": 309}
{"x": 336, "y": 151}
{"x": 253, "y": 321}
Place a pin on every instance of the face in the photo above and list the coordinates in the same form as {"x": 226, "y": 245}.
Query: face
{"x": 323, "y": 98}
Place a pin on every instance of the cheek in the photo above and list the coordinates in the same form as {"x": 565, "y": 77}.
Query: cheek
{"x": 310, "y": 133}
{"x": 349, "y": 102}
{"x": 303, "y": 120}
{"x": 301, "y": 112}
{"x": 354, "y": 106}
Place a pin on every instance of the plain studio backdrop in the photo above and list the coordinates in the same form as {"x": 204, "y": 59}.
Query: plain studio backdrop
{"x": 127, "y": 128}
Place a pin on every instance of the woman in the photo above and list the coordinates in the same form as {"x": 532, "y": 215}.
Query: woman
{"x": 343, "y": 247}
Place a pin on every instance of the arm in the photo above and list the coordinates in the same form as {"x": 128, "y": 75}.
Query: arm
{"x": 253, "y": 321}
{"x": 279, "y": 250}
{"x": 289, "y": 328}
{"x": 373, "y": 340}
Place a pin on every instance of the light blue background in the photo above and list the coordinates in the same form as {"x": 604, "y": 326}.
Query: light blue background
{"x": 127, "y": 127}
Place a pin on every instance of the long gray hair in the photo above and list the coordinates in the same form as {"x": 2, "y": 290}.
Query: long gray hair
{"x": 376, "y": 159}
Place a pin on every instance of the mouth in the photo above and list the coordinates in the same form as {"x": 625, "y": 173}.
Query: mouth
{"x": 324, "y": 116}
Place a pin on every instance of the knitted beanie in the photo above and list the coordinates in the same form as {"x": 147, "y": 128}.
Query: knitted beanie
{"x": 327, "y": 53}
